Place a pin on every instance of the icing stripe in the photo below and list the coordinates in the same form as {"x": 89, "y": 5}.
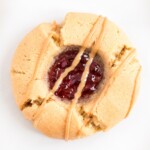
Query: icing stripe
{"x": 134, "y": 91}
{"x": 43, "y": 48}
{"x": 84, "y": 78}
{"x": 37, "y": 68}
{"x": 110, "y": 81}
{"x": 106, "y": 87}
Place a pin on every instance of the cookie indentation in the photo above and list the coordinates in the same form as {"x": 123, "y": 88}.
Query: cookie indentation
{"x": 70, "y": 83}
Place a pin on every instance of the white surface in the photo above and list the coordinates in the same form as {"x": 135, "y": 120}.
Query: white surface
{"x": 17, "y": 17}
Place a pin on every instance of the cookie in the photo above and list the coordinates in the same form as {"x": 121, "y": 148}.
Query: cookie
{"x": 76, "y": 78}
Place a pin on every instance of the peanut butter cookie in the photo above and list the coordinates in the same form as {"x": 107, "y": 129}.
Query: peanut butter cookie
{"x": 76, "y": 78}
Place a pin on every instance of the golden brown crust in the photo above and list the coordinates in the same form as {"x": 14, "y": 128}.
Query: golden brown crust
{"x": 108, "y": 106}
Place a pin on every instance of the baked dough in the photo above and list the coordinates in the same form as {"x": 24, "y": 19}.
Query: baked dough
{"x": 110, "y": 104}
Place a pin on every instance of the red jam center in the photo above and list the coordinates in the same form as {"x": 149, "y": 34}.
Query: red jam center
{"x": 70, "y": 83}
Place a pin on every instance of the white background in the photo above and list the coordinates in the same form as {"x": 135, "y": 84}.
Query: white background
{"x": 17, "y": 17}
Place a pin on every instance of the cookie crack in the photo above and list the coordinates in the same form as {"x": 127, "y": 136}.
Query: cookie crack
{"x": 14, "y": 71}
{"x": 31, "y": 102}
{"x": 55, "y": 34}
{"x": 118, "y": 56}
{"x": 90, "y": 120}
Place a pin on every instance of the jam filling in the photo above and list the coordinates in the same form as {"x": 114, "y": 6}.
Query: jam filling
{"x": 70, "y": 83}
